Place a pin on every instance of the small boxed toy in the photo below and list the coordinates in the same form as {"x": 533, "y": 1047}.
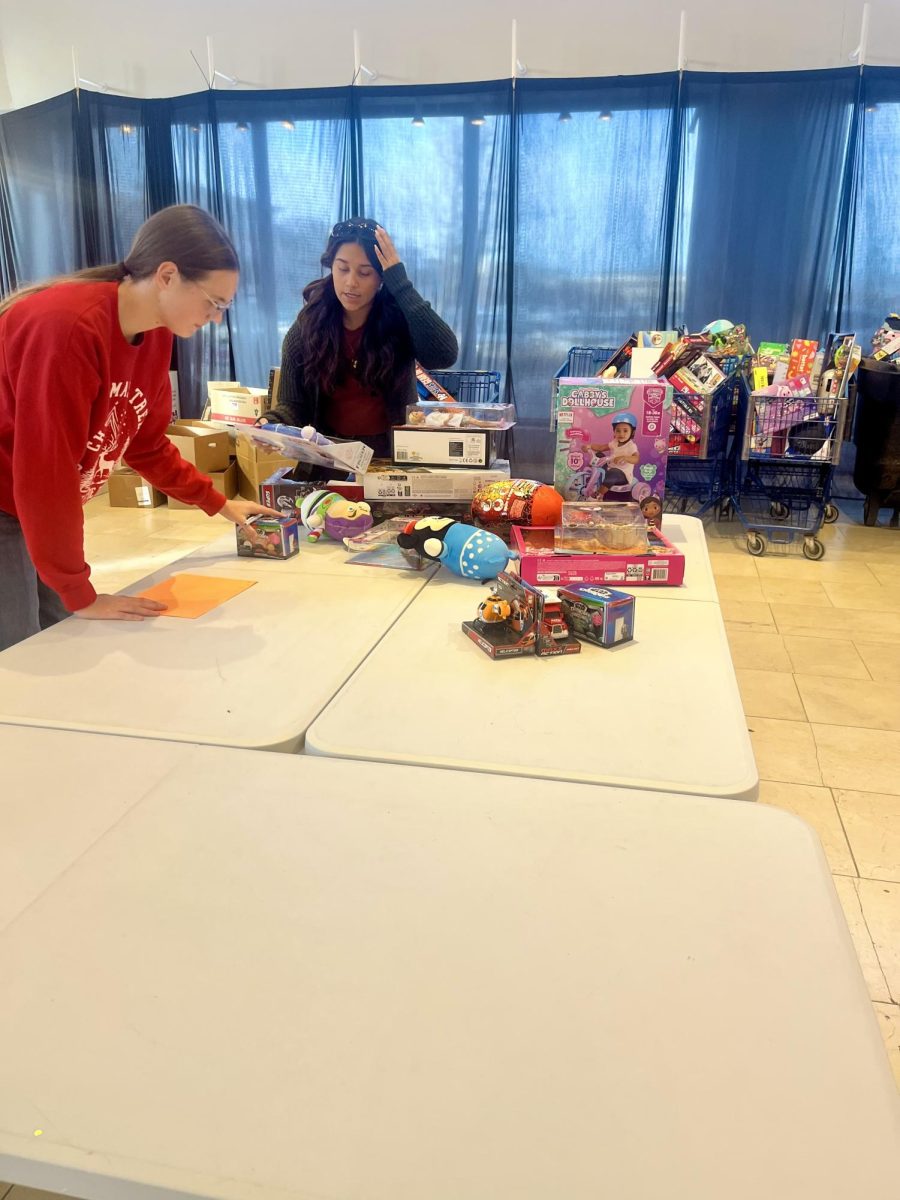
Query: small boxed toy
{"x": 279, "y": 538}
{"x": 598, "y": 614}
{"x": 511, "y": 622}
{"x": 611, "y": 439}
{"x": 429, "y": 415}
{"x": 442, "y": 447}
{"x": 662, "y": 565}
{"x": 595, "y": 527}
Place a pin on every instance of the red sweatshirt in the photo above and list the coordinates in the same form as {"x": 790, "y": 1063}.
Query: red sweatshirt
{"x": 75, "y": 398}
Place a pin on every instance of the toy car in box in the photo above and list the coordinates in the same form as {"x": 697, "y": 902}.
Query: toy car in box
{"x": 662, "y": 566}
{"x": 513, "y": 621}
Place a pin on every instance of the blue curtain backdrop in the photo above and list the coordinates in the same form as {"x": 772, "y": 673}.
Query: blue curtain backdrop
{"x": 873, "y": 255}
{"x": 762, "y": 179}
{"x": 592, "y": 171}
{"x": 434, "y": 170}
{"x": 555, "y": 213}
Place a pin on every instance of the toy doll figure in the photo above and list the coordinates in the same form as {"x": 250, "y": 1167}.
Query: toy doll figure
{"x": 651, "y": 507}
{"x": 327, "y": 512}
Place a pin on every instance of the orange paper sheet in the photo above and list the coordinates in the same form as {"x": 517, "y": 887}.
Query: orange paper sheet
{"x": 194, "y": 595}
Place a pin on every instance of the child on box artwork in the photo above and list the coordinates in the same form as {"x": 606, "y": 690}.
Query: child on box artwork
{"x": 613, "y": 475}
{"x": 84, "y": 383}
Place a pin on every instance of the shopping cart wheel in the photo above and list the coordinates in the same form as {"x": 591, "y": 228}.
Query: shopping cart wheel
{"x": 813, "y": 548}
{"x": 779, "y": 511}
{"x": 756, "y": 544}
{"x": 831, "y": 513}
{"x": 726, "y": 510}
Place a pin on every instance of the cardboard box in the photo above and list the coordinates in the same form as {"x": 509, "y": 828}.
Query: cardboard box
{"x": 442, "y": 447}
{"x": 234, "y": 404}
{"x": 225, "y": 482}
{"x": 662, "y": 567}
{"x": 286, "y": 494}
{"x": 280, "y": 538}
{"x": 209, "y": 449}
{"x": 598, "y": 614}
{"x": 255, "y": 465}
{"x": 126, "y": 489}
{"x": 592, "y": 462}
{"x": 384, "y": 482}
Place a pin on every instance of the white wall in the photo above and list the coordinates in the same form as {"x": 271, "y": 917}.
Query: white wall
{"x": 145, "y": 48}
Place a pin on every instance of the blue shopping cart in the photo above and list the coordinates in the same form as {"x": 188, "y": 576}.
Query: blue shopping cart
{"x": 789, "y": 447}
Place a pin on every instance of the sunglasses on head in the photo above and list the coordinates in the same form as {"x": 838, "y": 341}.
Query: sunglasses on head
{"x": 355, "y": 225}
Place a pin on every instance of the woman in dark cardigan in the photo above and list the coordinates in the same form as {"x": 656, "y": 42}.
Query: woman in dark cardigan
{"x": 348, "y": 361}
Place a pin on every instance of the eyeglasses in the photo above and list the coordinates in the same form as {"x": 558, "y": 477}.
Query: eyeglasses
{"x": 216, "y": 304}
{"x": 355, "y": 225}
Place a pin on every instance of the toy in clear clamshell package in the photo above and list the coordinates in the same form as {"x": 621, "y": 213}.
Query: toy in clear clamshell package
{"x": 377, "y": 547}
{"x": 595, "y": 527}
{"x": 540, "y": 564}
{"x": 434, "y": 415}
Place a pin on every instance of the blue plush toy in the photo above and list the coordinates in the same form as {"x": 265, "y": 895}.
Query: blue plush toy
{"x": 465, "y": 550}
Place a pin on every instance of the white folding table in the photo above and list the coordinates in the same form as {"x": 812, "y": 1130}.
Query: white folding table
{"x": 274, "y": 977}
{"x": 662, "y": 712}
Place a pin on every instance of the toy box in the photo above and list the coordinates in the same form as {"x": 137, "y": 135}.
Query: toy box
{"x": 384, "y": 482}
{"x": 611, "y": 439}
{"x": 662, "y": 566}
{"x": 430, "y": 415}
{"x": 424, "y": 446}
{"x": 512, "y": 621}
{"x": 285, "y": 493}
{"x": 598, "y": 614}
{"x": 598, "y": 527}
{"x": 280, "y": 538}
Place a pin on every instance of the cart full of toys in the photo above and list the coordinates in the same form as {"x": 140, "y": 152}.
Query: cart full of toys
{"x": 790, "y": 445}
{"x": 706, "y": 371}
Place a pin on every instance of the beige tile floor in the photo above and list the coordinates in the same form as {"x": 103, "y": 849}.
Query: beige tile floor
{"x": 816, "y": 647}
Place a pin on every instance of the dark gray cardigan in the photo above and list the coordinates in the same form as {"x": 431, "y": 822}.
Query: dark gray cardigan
{"x": 433, "y": 343}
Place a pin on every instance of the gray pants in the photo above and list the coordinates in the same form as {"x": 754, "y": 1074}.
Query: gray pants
{"x": 27, "y": 605}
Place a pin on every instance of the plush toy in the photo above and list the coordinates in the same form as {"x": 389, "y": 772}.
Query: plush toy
{"x": 465, "y": 550}
{"x": 327, "y": 512}
{"x": 516, "y": 502}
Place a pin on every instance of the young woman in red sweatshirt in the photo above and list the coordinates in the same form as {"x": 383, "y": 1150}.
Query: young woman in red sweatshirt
{"x": 84, "y": 384}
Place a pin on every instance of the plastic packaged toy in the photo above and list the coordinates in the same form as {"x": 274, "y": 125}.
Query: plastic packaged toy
{"x": 377, "y": 547}
{"x": 539, "y": 563}
{"x": 467, "y": 551}
{"x": 592, "y": 527}
{"x": 507, "y": 502}
{"x": 516, "y": 620}
{"x": 460, "y": 416}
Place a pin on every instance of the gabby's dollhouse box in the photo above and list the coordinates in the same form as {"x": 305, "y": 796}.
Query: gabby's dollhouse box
{"x": 611, "y": 441}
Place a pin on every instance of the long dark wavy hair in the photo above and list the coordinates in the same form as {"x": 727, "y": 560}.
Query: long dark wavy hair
{"x": 385, "y": 339}
{"x": 182, "y": 233}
